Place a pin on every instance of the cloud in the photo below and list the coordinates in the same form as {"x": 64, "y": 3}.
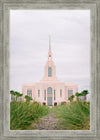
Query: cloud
{"x": 29, "y": 42}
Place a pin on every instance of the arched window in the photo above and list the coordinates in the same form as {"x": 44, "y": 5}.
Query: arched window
{"x": 49, "y": 71}
{"x": 49, "y": 90}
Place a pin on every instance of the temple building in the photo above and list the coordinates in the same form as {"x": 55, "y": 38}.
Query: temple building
{"x": 50, "y": 91}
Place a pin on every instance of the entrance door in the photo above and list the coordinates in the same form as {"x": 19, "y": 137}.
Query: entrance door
{"x": 49, "y": 96}
{"x": 49, "y": 101}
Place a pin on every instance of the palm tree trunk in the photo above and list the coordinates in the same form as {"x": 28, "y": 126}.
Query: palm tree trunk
{"x": 85, "y": 97}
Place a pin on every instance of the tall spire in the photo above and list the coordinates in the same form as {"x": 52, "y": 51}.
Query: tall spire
{"x": 49, "y": 42}
{"x": 49, "y": 53}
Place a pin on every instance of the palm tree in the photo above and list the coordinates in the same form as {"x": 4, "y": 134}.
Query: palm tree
{"x": 77, "y": 95}
{"x": 71, "y": 98}
{"x": 84, "y": 93}
{"x": 15, "y": 94}
{"x": 12, "y": 92}
{"x": 28, "y": 98}
{"x": 18, "y": 94}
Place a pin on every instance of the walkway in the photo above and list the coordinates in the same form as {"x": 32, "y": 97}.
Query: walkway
{"x": 49, "y": 122}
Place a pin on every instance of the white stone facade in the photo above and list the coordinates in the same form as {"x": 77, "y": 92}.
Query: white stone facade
{"x": 50, "y": 91}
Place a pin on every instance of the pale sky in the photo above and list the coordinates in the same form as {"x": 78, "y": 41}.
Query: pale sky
{"x": 29, "y": 44}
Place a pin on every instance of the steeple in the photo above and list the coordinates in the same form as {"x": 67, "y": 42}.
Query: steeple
{"x": 50, "y": 68}
{"x": 49, "y": 53}
{"x": 49, "y": 42}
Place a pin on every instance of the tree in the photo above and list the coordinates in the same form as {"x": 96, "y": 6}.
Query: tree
{"x": 71, "y": 98}
{"x": 18, "y": 95}
{"x": 28, "y": 98}
{"x": 84, "y": 93}
{"x": 77, "y": 95}
{"x": 12, "y": 92}
{"x": 21, "y": 96}
{"x": 15, "y": 94}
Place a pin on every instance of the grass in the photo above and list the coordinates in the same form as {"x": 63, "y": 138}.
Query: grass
{"x": 74, "y": 116}
{"x": 23, "y": 114}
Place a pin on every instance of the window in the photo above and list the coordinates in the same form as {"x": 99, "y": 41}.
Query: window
{"x": 49, "y": 90}
{"x": 49, "y": 71}
{"x": 44, "y": 94}
{"x": 38, "y": 93}
{"x": 70, "y": 93}
{"x": 60, "y": 92}
{"x": 29, "y": 93}
{"x": 54, "y": 95}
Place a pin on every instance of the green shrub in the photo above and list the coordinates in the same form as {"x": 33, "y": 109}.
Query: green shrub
{"x": 28, "y": 98}
{"x": 23, "y": 114}
{"x": 74, "y": 116}
{"x": 63, "y": 103}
